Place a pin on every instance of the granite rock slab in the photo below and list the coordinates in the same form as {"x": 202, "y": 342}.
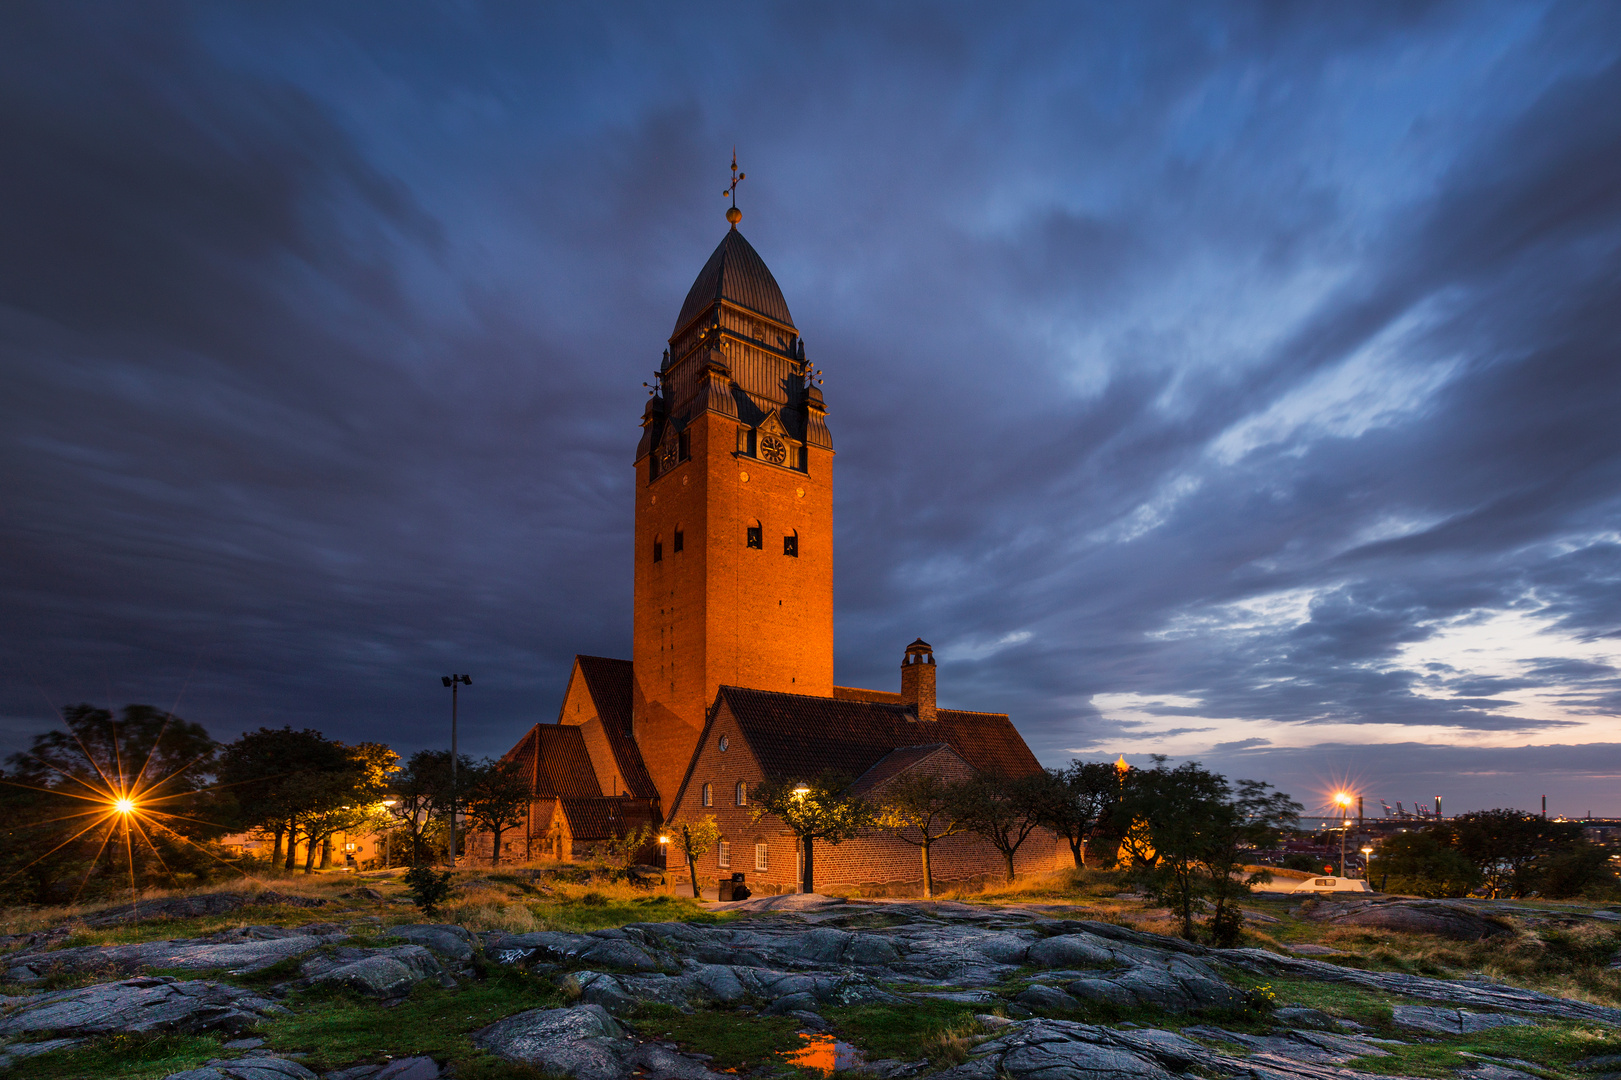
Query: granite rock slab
{"x": 141, "y": 1005}
{"x": 247, "y": 1068}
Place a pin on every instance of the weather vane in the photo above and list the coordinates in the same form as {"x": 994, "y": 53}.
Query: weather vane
{"x": 734, "y": 215}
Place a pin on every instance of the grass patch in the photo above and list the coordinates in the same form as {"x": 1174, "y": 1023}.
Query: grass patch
{"x": 736, "y": 1040}
{"x": 1548, "y": 1045}
{"x": 121, "y": 1057}
{"x": 1368, "y": 1007}
{"x": 336, "y": 1028}
{"x": 937, "y": 1030}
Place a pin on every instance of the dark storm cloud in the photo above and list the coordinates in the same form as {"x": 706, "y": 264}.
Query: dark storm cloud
{"x": 1242, "y": 362}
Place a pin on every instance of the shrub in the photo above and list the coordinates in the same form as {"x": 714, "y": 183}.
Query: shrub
{"x": 428, "y": 888}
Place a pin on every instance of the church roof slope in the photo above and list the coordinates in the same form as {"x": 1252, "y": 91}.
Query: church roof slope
{"x": 735, "y": 272}
{"x": 604, "y": 818}
{"x": 894, "y": 763}
{"x": 610, "y": 683}
{"x": 797, "y": 736}
{"x": 556, "y": 760}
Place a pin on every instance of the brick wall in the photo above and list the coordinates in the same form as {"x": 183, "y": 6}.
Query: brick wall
{"x": 877, "y": 860}
{"x": 719, "y": 612}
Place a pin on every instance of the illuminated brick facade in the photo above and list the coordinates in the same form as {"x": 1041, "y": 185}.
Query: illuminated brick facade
{"x": 733, "y": 588}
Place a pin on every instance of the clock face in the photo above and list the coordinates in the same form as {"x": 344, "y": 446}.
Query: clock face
{"x": 667, "y": 455}
{"x": 773, "y": 449}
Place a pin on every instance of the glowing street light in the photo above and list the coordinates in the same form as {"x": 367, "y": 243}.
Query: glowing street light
{"x": 124, "y": 805}
{"x": 1367, "y": 853}
{"x": 801, "y": 790}
{"x": 1343, "y": 800}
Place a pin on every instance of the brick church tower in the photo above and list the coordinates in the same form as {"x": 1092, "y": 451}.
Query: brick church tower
{"x": 734, "y": 513}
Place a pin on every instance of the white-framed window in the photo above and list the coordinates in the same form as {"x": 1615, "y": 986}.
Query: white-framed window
{"x": 723, "y": 855}
{"x": 762, "y": 855}
{"x": 709, "y": 794}
{"x": 742, "y": 793}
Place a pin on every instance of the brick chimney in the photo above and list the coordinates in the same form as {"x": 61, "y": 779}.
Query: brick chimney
{"x": 917, "y": 680}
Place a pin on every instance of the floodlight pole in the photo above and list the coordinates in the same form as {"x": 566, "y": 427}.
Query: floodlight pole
{"x": 455, "y": 682}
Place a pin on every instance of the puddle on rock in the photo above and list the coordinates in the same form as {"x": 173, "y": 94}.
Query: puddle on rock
{"x": 823, "y": 1053}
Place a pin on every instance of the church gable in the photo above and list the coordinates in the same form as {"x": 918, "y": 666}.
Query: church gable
{"x": 598, "y": 702}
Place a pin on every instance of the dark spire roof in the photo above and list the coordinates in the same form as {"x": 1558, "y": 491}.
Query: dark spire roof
{"x": 735, "y": 272}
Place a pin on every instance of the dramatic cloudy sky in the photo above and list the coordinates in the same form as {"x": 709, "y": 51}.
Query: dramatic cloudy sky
{"x": 1239, "y": 382}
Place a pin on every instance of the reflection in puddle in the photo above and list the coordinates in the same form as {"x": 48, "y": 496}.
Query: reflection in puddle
{"x": 823, "y": 1053}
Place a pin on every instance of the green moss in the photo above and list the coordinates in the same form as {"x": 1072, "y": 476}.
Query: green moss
{"x": 1549, "y": 1046}
{"x": 1369, "y": 1007}
{"x": 579, "y": 918}
{"x": 736, "y": 1040}
{"x": 336, "y": 1028}
{"x": 121, "y": 1057}
{"x": 905, "y": 1032}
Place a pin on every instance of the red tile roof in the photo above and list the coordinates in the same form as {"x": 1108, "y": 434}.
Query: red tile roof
{"x": 601, "y": 818}
{"x": 564, "y": 767}
{"x": 896, "y": 762}
{"x": 795, "y": 736}
{"x": 610, "y": 683}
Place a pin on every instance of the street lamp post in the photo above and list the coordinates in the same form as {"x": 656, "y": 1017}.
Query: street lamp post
{"x": 1367, "y": 853}
{"x": 1343, "y": 798}
{"x": 807, "y": 867}
{"x": 455, "y": 682}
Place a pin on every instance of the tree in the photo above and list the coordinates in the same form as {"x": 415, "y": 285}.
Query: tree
{"x": 1505, "y": 846}
{"x": 496, "y": 795}
{"x": 625, "y": 846}
{"x": 349, "y": 800}
{"x": 65, "y": 830}
{"x": 282, "y": 780}
{"x": 1005, "y": 810}
{"x": 420, "y": 794}
{"x": 695, "y": 839}
{"x": 921, "y": 809}
{"x": 1253, "y": 816}
{"x": 1582, "y": 869}
{"x": 821, "y": 809}
{"x": 1422, "y": 864}
{"x": 1079, "y": 799}
{"x": 1198, "y": 827}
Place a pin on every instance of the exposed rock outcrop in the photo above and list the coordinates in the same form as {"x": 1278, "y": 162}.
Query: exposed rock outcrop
{"x": 1454, "y": 921}
{"x": 151, "y": 1004}
{"x": 380, "y": 973}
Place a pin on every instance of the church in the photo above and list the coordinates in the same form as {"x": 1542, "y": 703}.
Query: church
{"x": 730, "y": 680}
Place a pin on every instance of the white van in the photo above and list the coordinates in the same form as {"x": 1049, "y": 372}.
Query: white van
{"x": 1332, "y": 884}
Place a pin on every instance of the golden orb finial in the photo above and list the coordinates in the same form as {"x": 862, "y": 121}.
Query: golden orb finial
{"x": 733, "y": 214}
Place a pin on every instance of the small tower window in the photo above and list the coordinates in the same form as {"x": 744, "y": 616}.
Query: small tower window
{"x": 723, "y": 855}
{"x": 675, "y": 542}
{"x": 683, "y": 444}
{"x": 742, "y": 793}
{"x": 709, "y": 794}
{"x": 658, "y": 550}
{"x": 790, "y": 544}
{"x": 756, "y": 537}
